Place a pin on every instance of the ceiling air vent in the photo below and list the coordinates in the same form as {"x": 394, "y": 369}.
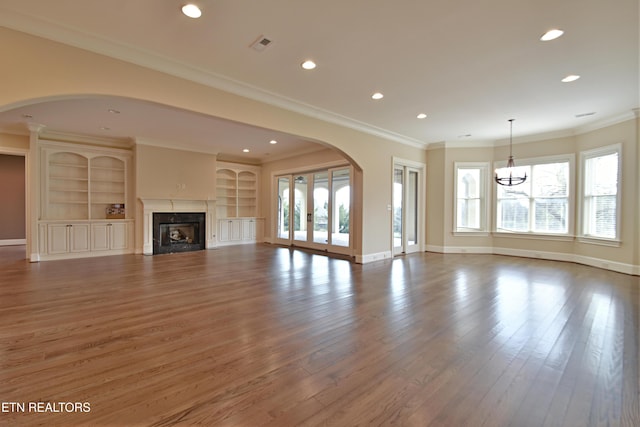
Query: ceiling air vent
{"x": 261, "y": 43}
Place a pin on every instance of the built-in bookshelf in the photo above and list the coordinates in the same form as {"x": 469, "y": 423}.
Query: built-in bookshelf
{"x": 237, "y": 204}
{"x": 82, "y": 185}
{"x": 236, "y": 193}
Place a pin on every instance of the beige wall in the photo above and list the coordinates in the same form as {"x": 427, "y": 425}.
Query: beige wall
{"x": 14, "y": 143}
{"x": 164, "y": 173}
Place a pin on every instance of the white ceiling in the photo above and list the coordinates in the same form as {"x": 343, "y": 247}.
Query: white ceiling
{"x": 469, "y": 65}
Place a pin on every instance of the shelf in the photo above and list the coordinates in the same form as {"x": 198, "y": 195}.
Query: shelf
{"x": 68, "y": 165}
{"x": 107, "y": 181}
{"x": 68, "y": 202}
{"x": 68, "y": 178}
{"x": 104, "y": 168}
{"x": 67, "y": 190}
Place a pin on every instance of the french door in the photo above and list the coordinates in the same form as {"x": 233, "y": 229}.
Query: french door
{"x": 314, "y": 210}
{"x": 407, "y": 201}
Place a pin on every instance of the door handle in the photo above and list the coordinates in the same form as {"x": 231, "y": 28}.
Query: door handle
{"x": 309, "y": 217}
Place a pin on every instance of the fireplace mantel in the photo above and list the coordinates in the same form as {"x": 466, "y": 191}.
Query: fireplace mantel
{"x": 150, "y": 206}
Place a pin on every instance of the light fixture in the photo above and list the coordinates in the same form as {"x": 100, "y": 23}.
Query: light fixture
{"x": 570, "y": 78}
{"x": 551, "y": 35}
{"x": 191, "y": 10}
{"x": 421, "y": 116}
{"x": 245, "y": 150}
{"x": 273, "y": 142}
{"x": 377, "y": 96}
{"x": 308, "y": 65}
{"x": 510, "y": 180}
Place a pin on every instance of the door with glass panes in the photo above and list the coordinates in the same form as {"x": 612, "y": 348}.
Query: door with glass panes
{"x": 313, "y": 209}
{"x": 406, "y": 209}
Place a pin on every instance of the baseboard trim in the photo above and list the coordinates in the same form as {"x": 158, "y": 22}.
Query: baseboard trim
{"x": 605, "y": 264}
{"x": 367, "y": 258}
{"x": 13, "y": 242}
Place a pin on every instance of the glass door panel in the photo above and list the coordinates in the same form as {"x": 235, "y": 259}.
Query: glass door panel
{"x": 321, "y": 208}
{"x": 398, "y": 197}
{"x": 341, "y": 207}
{"x": 412, "y": 208}
{"x": 300, "y": 215}
{"x": 284, "y": 184}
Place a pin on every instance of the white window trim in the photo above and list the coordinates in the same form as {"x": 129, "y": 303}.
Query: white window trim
{"x": 532, "y": 161}
{"x": 584, "y": 156}
{"x": 485, "y": 197}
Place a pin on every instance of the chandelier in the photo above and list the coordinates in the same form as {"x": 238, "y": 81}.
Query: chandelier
{"x": 508, "y": 179}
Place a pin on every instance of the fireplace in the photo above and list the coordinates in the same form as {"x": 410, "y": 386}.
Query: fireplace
{"x": 178, "y": 232}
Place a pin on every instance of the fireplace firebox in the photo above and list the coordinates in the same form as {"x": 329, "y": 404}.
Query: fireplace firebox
{"x": 178, "y": 232}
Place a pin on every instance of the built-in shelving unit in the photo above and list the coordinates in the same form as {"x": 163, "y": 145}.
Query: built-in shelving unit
{"x": 236, "y": 193}
{"x": 237, "y": 204}
{"x": 67, "y": 194}
{"x": 78, "y": 184}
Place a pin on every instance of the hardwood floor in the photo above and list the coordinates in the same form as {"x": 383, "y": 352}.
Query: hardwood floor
{"x": 262, "y": 335}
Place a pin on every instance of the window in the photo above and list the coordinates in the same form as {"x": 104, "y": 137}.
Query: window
{"x": 471, "y": 195}
{"x": 539, "y": 205}
{"x": 600, "y": 193}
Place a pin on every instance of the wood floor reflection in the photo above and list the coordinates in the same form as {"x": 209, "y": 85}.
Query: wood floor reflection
{"x": 262, "y": 335}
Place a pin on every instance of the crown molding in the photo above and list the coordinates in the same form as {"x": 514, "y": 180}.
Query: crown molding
{"x": 607, "y": 121}
{"x": 51, "y": 135}
{"x": 128, "y": 53}
{"x": 184, "y": 146}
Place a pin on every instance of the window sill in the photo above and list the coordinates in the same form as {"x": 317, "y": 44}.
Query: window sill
{"x": 471, "y": 233}
{"x": 600, "y": 241}
{"x": 535, "y": 236}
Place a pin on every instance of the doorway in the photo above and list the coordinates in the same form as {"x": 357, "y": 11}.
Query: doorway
{"x": 314, "y": 210}
{"x": 407, "y": 208}
{"x": 13, "y": 211}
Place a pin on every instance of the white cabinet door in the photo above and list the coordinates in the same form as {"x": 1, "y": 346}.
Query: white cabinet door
{"x": 79, "y": 237}
{"x": 100, "y": 237}
{"x": 119, "y": 236}
{"x": 248, "y": 229}
{"x": 230, "y": 230}
{"x": 109, "y": 236}
{"x": 57, "y": 239}
{"x": 65, "y": 238}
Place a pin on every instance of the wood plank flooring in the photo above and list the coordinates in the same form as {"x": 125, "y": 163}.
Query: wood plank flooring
{"x": 268, "y": 336}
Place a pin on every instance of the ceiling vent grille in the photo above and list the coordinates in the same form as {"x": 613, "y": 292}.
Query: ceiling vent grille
{"x": 261, "y": 43}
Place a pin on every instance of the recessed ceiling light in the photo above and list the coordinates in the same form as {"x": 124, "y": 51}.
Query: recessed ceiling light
{"x": 105, "y": 128}
{"x": 570, "y": 78}
{"x": 377, "y": 95}
{"x": 191, "y": 10}
{"x": 246, "y": 150}
{"x": 27, "y": 116}
{"x": 273, "y": 141}
{"x": 551, "y": 35}
{"x": 422, "y": 116}
{"x": 113, "y": 111}
{"x": 591, "y": 113}
{"x": 308, "y": 65}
